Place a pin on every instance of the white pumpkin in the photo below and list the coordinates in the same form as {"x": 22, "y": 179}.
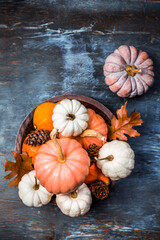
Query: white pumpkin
{"x": 31, "y": 192}
{"x": 70, "y": 118}
{"x": 116, "y": 159}
{"x": 76, "y": 203}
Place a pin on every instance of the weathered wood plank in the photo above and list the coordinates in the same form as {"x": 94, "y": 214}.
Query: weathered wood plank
{"x": 60, "y": 48}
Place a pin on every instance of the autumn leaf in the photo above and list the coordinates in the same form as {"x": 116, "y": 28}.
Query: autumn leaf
{"x": 22, "y": 166}
{"x": 124, "y": 124}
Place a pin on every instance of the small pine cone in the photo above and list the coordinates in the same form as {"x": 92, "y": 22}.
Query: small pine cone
{"x": 37, "y": 137}
{"x": 92, "y": 152}
{"x": 99, "y": 189}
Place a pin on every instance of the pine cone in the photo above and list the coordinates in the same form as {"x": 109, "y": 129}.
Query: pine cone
{"x": 37, "y": 137}
{"x": 99, "y": 189}
{"x": 92, "y": 152}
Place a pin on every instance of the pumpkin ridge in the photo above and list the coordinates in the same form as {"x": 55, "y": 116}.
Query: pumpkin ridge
{"x": 117, "y": 78}
{"x": 149, "y": 72}
{"x": 66, "y": 152}
{"x": 80, "y": 210}
{"x": 118, "y": 52}
{"x": 45, "y": 153}
{"x": 108, "y": 60}
{"x": 115, "y": 64}
{"x": 123, "y": 165}
{"x": 130, "y": 54}
{"x": 141, "y": 81}
{"x": 127, "y": 82}
{"x": 122, "y": 84}
{"x": 34, "y": 198}
{"x": 73, "y": 173}
{"x": 142, "y": 67}
{"x": 73, "y": 161}
{"x": 120, "y": 79}
{"x": 144, "y": 83}
{"x": 73, "y": 150}
{"x": 137, "y": 52}
{"x": 30, "y": 178}
{"x": 68, "y": 164}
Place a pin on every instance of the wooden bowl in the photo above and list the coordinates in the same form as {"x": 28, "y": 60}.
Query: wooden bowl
{"x": 27, "y": 124}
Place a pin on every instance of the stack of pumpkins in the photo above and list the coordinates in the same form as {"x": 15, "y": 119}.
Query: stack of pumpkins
{"x": 62, "y": 166}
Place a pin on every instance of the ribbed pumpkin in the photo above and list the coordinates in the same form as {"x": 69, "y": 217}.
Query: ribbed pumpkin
{"x": 97, "y": 127}
{"x": 42, "y": 118}
{"x": 61, "y": 165}
{"x": 96, "y": 174}
{"x": 31, "y": 150}
{"x": 128, "y": 71}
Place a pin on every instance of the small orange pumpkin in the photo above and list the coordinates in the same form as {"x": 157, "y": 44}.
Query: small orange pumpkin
{"x": 42, "y": 118}
{"x": 31, "y": 150}
{"x": 96, "y": 127}
{"x": 61, "y": 165}
{"x": 96, "y": 174}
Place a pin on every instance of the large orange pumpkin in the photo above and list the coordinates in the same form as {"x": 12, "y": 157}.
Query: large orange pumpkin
{"x": 96, "y": 123}
{"x": 61, "y": 165}
{"x": 42, "y": 118}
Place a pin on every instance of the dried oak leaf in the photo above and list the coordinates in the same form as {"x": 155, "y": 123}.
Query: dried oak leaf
{"x": 22, "y": 166}
{"x": 123, "y": 125}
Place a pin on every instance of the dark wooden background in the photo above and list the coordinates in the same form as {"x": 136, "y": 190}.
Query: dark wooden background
{"x": 53, "y": 47}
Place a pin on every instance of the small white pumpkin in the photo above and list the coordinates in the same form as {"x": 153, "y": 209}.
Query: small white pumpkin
{"x": 116, "y": 159}
{"x": 31, "y": 192}
{"x": 70, "y": 117}
{"x": 76, "y": 203}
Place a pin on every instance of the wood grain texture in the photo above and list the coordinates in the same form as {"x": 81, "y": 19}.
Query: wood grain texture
{"x": 59, "y": 47}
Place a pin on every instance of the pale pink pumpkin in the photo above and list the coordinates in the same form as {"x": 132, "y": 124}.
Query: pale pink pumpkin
{"x": 128, "y": 71}
{"x": 61, "y": 166}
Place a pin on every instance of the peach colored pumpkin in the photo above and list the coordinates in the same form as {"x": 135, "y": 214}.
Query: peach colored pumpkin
{"x": 99, "y": 127}
{"x": 128, "y": 71}
{"x": 62, "y": 169}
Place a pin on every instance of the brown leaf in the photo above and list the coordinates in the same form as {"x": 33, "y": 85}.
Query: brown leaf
{"x": 22, "y": 166}
{"x": 123, "y": 125}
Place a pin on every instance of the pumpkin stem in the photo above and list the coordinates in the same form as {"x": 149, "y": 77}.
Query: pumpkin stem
{"x": 53, "y": 136}
{"x": 70, "y": 116}
{"x": 93, "y": 133}
{"x": 132, "y": 70}
{"x": 36, "y": 185}
{"x": 74, "y": 194}
{"x": 109, "y": 158}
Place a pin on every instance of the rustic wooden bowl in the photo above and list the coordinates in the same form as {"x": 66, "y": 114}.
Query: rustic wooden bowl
{"x": 27, "y": 124}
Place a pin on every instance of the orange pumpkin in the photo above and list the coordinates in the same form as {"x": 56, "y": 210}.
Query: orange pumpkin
{"x": 31, "y": 150}
{"x": 96, "y": 174}
{"x": 99, "y": 127}
{"x": 61, "y": 165}
{"x": 42, "y": 118}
